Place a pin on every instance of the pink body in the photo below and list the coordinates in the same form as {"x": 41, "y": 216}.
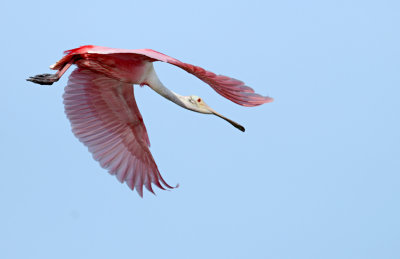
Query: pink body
{"x": 100, "y": 104}
{"x": 127, "y": 68}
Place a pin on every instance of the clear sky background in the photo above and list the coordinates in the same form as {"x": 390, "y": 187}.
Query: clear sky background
{"x": 315, "y": 175}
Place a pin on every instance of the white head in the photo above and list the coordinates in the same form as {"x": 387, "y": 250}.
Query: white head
{"x": 195, "y": 103}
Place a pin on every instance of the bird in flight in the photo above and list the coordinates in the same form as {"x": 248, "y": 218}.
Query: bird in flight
{"x": 100, "y": 104}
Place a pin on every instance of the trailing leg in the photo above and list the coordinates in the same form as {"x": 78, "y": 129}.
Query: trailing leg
{"x": 49, "y": 79}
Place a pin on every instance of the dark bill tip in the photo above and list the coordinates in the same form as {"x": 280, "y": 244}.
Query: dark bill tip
{"x": 240, "y": 127}
{"x": 233, "y": 123}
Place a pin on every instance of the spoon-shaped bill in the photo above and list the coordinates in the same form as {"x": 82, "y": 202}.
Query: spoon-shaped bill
{"x": 234, "y": 124}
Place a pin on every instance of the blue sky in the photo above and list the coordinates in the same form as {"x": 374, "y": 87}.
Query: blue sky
{"x": 315, "y": 175}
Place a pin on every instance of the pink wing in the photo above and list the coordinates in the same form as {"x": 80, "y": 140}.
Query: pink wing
{"x": 232, "y": 89}
{"x": 104, "y": 116}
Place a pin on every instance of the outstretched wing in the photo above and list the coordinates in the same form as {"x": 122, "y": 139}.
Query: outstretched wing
{"x": 104, "y": 116}
{"x": 230, "y": 88}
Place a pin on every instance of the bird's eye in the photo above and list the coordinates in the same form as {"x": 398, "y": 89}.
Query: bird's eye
{"x": 198, "y": 100}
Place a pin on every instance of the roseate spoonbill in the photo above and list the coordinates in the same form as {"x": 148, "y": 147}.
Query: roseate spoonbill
{"x": 100, "y": 104}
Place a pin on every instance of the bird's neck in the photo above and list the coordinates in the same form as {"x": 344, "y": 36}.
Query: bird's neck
{"x": 154, "y": 83}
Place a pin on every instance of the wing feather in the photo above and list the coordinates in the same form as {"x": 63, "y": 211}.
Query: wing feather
{"x": 104, "y": 117}
{"x": 230, "y": 88}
